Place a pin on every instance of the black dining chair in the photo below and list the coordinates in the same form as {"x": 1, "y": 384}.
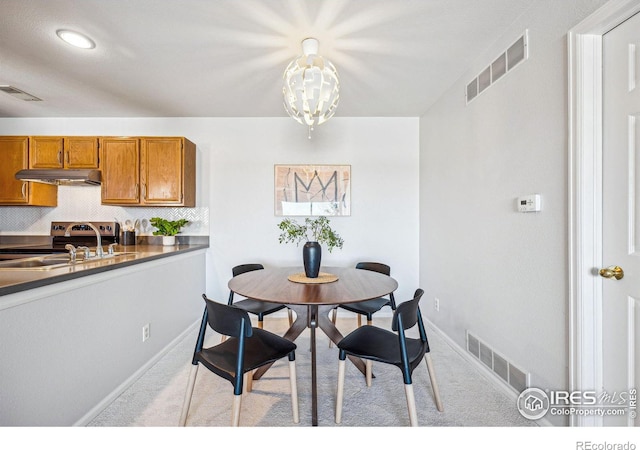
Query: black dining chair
{"x": 368, "y": 307}
{"x": 251, "y": 305}
{"x": 377, "y": 344}
{"x": 246, "y": 349}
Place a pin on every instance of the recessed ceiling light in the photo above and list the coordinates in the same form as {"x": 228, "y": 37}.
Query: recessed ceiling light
{"x": 76, "y": 39}
{"x": 17, "y": 93}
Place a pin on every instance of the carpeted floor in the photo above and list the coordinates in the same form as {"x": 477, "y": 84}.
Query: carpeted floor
{"x": 469, "y": 399}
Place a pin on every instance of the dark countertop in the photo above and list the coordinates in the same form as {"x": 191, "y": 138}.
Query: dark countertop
{"x": 13, "y": 280}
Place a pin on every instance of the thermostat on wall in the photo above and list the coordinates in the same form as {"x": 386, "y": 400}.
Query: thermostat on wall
{"x": 529, "y": 203}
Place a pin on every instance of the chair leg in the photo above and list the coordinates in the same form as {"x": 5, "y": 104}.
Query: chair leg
{"x": 369, "y": 322}
{"x": 223, "y": 338}
{"x": 188, "y": 394}
{"x": 359, "y": 320}
{"x": 290, "y": 313}
{"x": 434, "y": 383}
{"x": 340, "y": 395}
{"x": 368, "y": 371}
{"x": 294, "y": 391}
{"x": 247, "y": 382}
{"x": 334, "y": 316}
{"x": 235, "y": 414}
{"x": 411, "y": 405}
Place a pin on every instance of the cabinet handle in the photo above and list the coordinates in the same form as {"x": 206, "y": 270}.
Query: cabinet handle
{"x": 67, "y": 158}
{"x": 144, "y": 189}
{"x": 59, "y": 156}
{"x": 24, "y": 189}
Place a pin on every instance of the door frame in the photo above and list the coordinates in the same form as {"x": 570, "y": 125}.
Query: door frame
{"x": 585, "y": 196}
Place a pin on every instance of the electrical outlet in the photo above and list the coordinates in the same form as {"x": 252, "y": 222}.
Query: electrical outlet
{"x": 145, "y": 332}
{"x": 436, "y": 304}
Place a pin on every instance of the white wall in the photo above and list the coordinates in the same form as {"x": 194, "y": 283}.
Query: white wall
{"x": 499, "y": 273}
{"x": 235, "y": 164}
{"x": 69, "y": 349}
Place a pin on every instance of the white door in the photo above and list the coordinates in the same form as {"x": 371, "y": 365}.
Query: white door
{"x": 621, "y": 215}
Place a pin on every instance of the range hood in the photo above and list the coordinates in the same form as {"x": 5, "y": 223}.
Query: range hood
{"x": 76, "y": 177}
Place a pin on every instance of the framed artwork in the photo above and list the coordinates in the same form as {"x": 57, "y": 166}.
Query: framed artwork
{"x": 312, "y": 190}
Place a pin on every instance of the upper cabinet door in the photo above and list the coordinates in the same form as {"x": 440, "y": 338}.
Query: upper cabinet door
{"x": 161, "y": 170}
{"x": 167, "y": 171}
{"x": 120, "y": 165}
{"x": 46, "y": 152}
{"x": 81, "y": 153}
{"x": 14, "y": 157}
{"x": 53, "y": 152}
{"x": 14, "y": 154}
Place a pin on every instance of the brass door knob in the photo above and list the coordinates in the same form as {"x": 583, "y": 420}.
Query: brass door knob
{"x": 612, "y": 272}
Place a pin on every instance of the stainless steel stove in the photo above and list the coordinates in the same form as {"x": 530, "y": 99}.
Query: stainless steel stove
{"x": 81, "y": 233}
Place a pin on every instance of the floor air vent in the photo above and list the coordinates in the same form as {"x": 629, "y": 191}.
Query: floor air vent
{"x": 515, "y": 54}
{"x": 516, "y": 378}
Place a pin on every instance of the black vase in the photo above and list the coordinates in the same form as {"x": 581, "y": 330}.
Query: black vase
{"x": 311, "y": 255}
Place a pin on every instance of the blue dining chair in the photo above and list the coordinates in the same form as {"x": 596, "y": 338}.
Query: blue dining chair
{"x": 390, "y": 347}
{"x": 246, "y": 349}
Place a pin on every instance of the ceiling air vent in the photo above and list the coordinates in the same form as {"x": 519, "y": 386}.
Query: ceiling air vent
{"x": 510, "y": 58}
{"x": 17, "y": 93}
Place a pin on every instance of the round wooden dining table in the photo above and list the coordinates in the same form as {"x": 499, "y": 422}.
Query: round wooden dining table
{"x": 312, "y": 302}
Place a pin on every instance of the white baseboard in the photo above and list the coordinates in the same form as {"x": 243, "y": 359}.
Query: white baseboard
{"x": 93, "y": 412}
{"x": 482, "y": 369}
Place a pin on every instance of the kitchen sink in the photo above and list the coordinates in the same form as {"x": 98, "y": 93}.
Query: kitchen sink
{"x": 38, "y": 263}
{"x": 55, "y": 261}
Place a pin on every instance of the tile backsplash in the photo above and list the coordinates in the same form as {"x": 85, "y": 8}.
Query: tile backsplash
{"x": 82, "y": 203}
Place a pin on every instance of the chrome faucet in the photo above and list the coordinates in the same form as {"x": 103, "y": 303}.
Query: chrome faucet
{"x": 72, "y": 252}
{"x": 99, "y": 251}
{"x": 85, "y": 249}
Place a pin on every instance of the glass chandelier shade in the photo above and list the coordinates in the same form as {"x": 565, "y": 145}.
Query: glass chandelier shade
{"x": 311, "y": 86}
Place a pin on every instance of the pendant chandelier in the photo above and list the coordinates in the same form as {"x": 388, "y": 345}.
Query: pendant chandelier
{"x": 311, "y": 87}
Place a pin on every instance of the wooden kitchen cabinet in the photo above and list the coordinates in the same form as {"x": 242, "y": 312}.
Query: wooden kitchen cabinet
{"x": 120, "y": 165}
{"x": 148, "y": 171}
{"x": 56, "y": 152}
{"x": 167, "y": 171}
{"x": 14, "y": 154}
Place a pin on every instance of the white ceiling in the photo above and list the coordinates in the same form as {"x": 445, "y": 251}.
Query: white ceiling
{"x": 225, "y": 58}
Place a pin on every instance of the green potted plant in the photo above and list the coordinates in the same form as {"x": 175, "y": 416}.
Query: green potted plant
{"x": 167, "y": 229}
{"x": 314, "y": 232}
